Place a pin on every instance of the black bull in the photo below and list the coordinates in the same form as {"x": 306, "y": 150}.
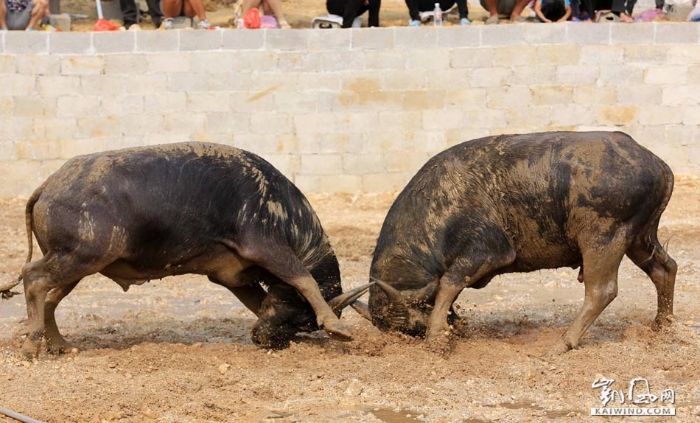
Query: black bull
{"x": 518, "y": 203}
{"x": 147, "y": 213}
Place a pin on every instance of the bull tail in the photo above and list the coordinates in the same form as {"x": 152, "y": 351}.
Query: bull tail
{"x": 651, "y": 228}
{"x": 28, "y": 212}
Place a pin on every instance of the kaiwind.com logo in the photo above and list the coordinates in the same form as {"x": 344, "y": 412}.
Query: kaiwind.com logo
{"x": 638, "y": 394}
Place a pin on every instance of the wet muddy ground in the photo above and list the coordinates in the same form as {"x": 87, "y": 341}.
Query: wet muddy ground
{"x": 178, "y": 349}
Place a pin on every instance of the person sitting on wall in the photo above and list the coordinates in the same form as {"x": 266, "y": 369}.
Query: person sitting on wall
{"x": 269, "y": 7}
{"x": 417, "y": 6}
{"x": 351, "y": 9}
{"x": 549, "y": 11}
{"x": 20, "y": 15}
{"x": 130, "y": 14}
{"x": 694, "y": 15}
{"x": 190, "y": 8}
{"x": 512, "y": 8}
{"x": 620, "y": 8}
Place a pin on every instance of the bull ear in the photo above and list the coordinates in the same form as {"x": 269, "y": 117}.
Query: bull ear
{"x": 347, "y": 298}
{"x": 391, "y": 292}
{"x": 362, "y": 309}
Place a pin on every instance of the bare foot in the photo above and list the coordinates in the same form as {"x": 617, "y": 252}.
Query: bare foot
{"x": 624, "y": 17}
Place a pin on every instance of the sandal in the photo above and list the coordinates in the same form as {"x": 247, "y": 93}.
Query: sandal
{"x": 492, "y": 21}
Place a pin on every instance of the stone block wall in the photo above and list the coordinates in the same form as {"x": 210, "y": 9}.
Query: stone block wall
{"x": 343, "y": 110}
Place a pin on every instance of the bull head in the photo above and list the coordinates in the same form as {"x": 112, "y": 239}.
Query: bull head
{"x": 405, "y": 311}
{"x": 284, "y": 313}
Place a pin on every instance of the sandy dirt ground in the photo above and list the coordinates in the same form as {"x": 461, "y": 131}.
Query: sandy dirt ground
{"x": 178, "y": 350}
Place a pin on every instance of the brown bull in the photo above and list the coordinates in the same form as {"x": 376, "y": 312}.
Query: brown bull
{"x": 147, "y": 213}
{"x": 518, "y": 203}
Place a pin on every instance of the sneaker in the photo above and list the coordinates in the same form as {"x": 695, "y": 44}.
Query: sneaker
{"x": 203, "y": 24}
{"x": 464, "y": 21}
{"x": 134, "y": 27}
{"x": 167, "y": 23}
{"x": 413, "y": 23}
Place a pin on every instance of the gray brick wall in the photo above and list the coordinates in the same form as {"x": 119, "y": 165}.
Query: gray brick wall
{"x": 343, "y": 110}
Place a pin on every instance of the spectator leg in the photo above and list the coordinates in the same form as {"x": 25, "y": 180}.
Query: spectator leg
{"x": 414, "y": 9}
{"x": 618, "y": 6}
{"x": 195, "y": 8}
{"x": 155, "y": 12}
{"x": 575, "y": 8}
{"x": 274, "y": 7}
{"x": 129, "y": 12}
{"x": 586, "y": 6}
{"x": 40, "y": 8}
{"x": 518, "y": 9}
{"x": 171, "y": 8}
{"x": 492, "y": 7}
{"x": 463, "y": 9}
{"x": 249, "y": 4}
{"x": 373, "y": 19}
{"x": 3, "y": 15}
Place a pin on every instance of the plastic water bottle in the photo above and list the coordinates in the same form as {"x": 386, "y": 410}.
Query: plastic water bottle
{"x": 437, "y": 15}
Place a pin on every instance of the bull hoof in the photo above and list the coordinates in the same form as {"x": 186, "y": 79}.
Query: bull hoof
{"x": 336, "y": 330}
{"x": 439, "y": 344}
{"x": 31, "y": 348}
{"x": 56, "y": 346}
{"x": 661, "y": 322}
{"x": 264, "y": 337}
{"x": 560, "y": 347}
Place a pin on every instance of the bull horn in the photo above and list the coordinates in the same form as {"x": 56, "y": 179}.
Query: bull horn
{"x": 347, "y": 298}
{"x": 426, "y": 293}
{"x": 5, "y": 290}
{"x": 362, "y": 309}
{"x": 391, "y": 292}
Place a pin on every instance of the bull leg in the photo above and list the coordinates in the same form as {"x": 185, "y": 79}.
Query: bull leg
{"x": 41, "y": 276}
{"x": 283, "y": 263}
{"x": 438, "y": 332}
{"x": 54, "y": 340}
{"x": 661, "y": 268}
{"x": 246, "y": 288}
{"x": 325, "y": 318}
{"x": 36, "y": 285}
{"x": 600, "y": 267}
{"x": 460, "y": 275}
